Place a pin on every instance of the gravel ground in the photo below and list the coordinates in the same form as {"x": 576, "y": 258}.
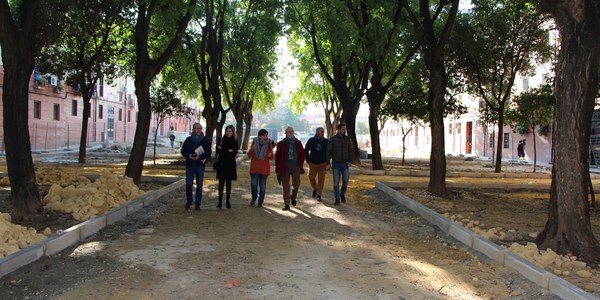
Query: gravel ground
{"x": 370, "y": 248}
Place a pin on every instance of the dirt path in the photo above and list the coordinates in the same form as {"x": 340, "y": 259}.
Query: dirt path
{"x": 315, "y": 251}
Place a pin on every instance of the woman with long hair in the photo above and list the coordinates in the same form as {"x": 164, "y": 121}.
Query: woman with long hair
{"x": 227, "y": 150}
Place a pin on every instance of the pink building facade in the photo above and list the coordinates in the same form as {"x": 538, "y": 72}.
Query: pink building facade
{"x": 467, "y": 136}
{"x": 56, "y": 112}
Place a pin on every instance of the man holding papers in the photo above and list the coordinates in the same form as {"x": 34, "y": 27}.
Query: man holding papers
{"x": 196, "y": 149}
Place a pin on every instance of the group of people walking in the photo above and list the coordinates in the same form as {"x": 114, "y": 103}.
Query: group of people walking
{"x": 320, "y": 153}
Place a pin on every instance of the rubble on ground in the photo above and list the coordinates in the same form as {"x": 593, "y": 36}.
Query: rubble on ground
{"x": 87, "y": 200}
{"x": 14, "y": 237}
{"x": 493, "y": 234}
{"x": 551, "y": 261}
{"x": 48, "y": 176}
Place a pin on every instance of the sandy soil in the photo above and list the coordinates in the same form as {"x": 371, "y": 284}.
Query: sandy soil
{"x": 368, "y": 248}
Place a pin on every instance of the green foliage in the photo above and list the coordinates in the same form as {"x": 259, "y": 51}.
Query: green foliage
{"x": 493, "y": 42}
{"x": 165, "y": 103}
{"x": 408, "y": 97}
{"x": 251, "y": 33}
{"x": 543, "y": 130}
{"x": 522, "y": 129}
{"x": 534, "y": 108}
{"x": 46, "y": 24}
{"x": 362, "y": 128}
{"x": 91, "y": 42}
{"x": 281, "y": 117}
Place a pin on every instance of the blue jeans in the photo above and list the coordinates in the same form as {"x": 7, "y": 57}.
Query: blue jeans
{"x": 343, "y": 170}
{"x": 256, "y": 181}
{"x": 190, "y": 172}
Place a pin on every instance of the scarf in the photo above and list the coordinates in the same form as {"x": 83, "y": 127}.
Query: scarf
{"x": 319, "y": 141}
{"x": 292, "y": 155}
{"x": 260, "y": 147}
{"x": 197, "y": 138}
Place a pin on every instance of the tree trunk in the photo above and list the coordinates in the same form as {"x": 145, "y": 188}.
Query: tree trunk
{"x": 135, "y": 164}
{"x": 84, "y": 127}
{"x": 211, "y": 115}
{"x": 236, "y": 109}
{"x": 568, "y": 229}
{"x": 437, "y": 168}
{"x": 349, "y": 118}
{"x": 18, "y": 66}
{"x": 500, "y": 142}
{"x": 534, "y": 150}
{"x": 146, "y": 69}
{"x": 154, "y": 146}
{"x": 376, "y": 161}
{"x": 403, "y": 148}
{"x": 248, "y": 122}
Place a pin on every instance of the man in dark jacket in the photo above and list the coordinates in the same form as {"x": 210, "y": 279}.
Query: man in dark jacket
{"x": 196, "y": 149}
{"x": 339, "y": 152}
{"x": 289, "y": 162}
{"x": 316, "y": 157}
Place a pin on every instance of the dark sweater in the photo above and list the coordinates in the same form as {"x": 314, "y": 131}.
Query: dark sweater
{"x": 189, "y": 146}
{"x": 316, "y": 150}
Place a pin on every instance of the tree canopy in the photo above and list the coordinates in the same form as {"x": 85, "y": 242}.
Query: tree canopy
{"x": 493, "y": 43}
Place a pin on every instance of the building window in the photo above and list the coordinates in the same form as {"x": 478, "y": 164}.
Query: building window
{"x": 450, "y": 128}
{"x": 73, "y": 107}
{"x": 100, "y": 111}
{"x": 56, "y": 112}
{"x": 128, "y": 116}
{"x": 120, "y": 114}
{"x": 506, "y": 140}
{"x": 492, "y": 142}
{"x": 457, "y": 128}
{"x": 525, "y": 83}
{"x": 416, "y": 136}
{"x": 37, "y": 109}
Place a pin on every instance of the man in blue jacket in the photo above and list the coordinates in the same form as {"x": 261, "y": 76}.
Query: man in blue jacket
{"x": 316, "y": 157}
{"x": 195, "y": 149}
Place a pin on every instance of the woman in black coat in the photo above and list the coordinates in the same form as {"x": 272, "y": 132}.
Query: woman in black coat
{"x": 227, "y": 150}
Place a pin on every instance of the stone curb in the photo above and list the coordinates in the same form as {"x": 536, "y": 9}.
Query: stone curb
{"x": 492, "y": 188}
{"x": 75, "y": 234}
{"x": 543, "y": 278}
{"x": 425, "y": 173}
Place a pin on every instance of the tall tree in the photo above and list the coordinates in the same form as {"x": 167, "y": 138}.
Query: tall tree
{"x": 407, "y": 103}
{"x": 338, "y": 51}
{"x": 533, "y": 109}
{"x": 314, "y": 88}
{"x": 88, "y": 49}
{"x": 493, "y": 43}
{"x": 206, "y": 50}
{"x": 315, "y": 91}
{"x": 389, "y": 48}
{"x": 159, "y": 19}
{"x": 25, "y": 27}
{"x": 165, "y": 104}
{"x": 252, "y": 35}
{"x": 432, "y": 25}
{"x": 568, "y": 229}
